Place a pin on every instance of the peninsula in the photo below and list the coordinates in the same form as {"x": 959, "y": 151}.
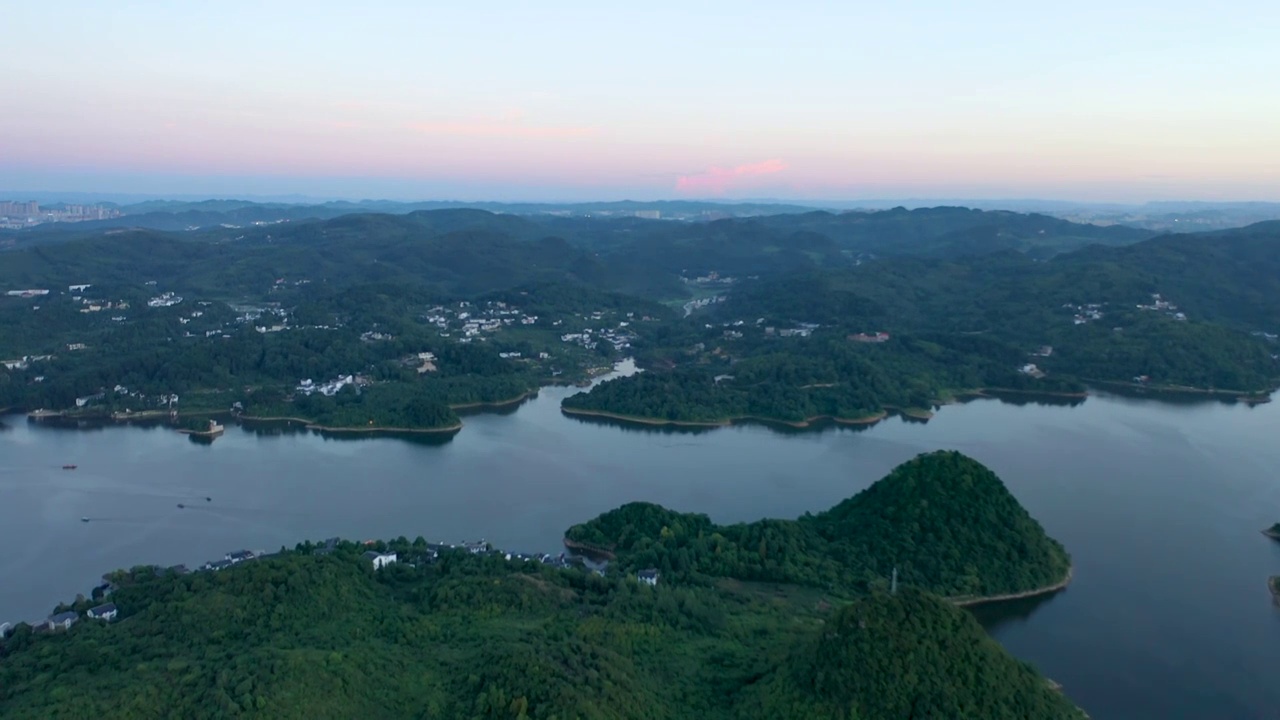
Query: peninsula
{"x": 745, "y": 622}
{"x": 857, "y": 545}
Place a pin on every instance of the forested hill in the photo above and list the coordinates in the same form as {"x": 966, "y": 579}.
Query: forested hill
{"x": 952, "y": 231}
{"x": 945, "y": 521}
{"x": 468, "y": 250}
{"x": 1174, "y": 313}
{"x": 456, "y": 253}
{"x": 1231, "y": 276}
{"x": 443, "y": 633}
{"x": 840, "y": 673}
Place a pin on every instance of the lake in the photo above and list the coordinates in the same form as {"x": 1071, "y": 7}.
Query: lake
{"x": 1160, "y": 505}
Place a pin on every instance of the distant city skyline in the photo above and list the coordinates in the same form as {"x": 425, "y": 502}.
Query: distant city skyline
{"x": 573, "y": 101}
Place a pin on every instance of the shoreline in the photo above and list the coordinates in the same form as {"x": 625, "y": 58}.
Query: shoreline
{"x": 498, "y": 403}
{"x": 797, "y": 424}
{"x": 311, "y": 425}
{"x": 996, "y": 392}
{"x": 1249, "y": 397}
{"x": 1036, "y": 592}
{"x": 201, "y": 433}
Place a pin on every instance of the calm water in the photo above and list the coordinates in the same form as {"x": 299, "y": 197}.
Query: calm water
{"x": 1159, "y": 504}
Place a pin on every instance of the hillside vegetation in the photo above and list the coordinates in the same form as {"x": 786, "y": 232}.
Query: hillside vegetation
{"x": 1172, "y": 313}
{"x": 943, "y": 520}
{"x": 449, "y": 634}
{"x": 966, "y": 300}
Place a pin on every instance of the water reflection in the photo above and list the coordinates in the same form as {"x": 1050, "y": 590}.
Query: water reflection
{"x": 781, "y": 428}
{"x": 428, "y": 439}
{"x": 288, "y": 428}
{"x": 994, "y": 616}
{"x": 1021, "y": 399}
{"x": 508, "y": 408}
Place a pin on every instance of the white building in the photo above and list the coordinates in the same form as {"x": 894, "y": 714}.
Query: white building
{"x": 380, "y": 560}
{"x": 103, "y": 612}
{"x": 62, "y": 621}
{"x": 648, "y": 577}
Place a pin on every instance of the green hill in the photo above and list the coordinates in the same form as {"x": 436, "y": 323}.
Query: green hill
{"x": 305, "y": 635}
{"x": 909, "y": 655}
{"x": 945, "y": 521}
{"x": 1175, "y": 313}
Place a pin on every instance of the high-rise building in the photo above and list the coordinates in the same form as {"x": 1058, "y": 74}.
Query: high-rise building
{"x": 10, "y": 208}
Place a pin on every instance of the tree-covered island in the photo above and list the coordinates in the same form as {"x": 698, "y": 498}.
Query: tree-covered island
{"x": 776, "y": 619}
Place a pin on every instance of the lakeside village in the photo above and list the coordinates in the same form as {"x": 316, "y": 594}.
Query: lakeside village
{"x": 462, "y": 322}
{"x": 379, "y": 555}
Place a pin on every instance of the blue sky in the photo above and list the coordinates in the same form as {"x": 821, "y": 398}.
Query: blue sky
{"x": 573, "y": 100}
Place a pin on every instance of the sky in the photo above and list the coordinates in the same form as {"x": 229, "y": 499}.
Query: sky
{"x": 558, "y": 100}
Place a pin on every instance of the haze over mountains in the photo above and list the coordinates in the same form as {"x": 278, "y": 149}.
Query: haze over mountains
{"x": 191, "y": 213}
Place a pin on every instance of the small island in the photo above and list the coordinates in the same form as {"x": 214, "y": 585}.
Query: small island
{"x": 1273, "y": 532}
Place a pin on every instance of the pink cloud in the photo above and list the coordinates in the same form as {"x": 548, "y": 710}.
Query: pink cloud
{"x": 717, "y": 180}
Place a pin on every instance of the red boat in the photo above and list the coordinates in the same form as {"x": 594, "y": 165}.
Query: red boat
{"x": 68, "y": 467}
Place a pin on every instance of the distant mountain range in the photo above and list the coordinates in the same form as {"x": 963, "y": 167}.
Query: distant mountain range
{"x": 186, "y": 215}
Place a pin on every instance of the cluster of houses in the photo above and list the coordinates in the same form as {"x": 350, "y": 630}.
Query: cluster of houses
{"x": 333, "y": 387}
{"x": 800, "y": 330}
{"x": 24, "y": 362}
{"x": 1084, "y": 313}
{"x": 711, "y": 278}
{"x": 876, "y": 337}
{"x": 1032, "y": 370}
{"x": 93, "y": 306}
{"x": 1159, "y": 304}
{"x": 378, "y": 559}
{"x": 120, "y": 391}
{"x": 700, "y": 303}
{"x": 425, "y": 362}
{"x": 473, "y": 320}
{"x": 64, "y": 620}
{"x": 166, "y": 299}
{"x": 620, "y": 337}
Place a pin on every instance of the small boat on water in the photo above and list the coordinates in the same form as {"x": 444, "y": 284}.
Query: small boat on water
{"x": 68, "y": 467}
{"x": 181, "y": 506}
{"x": 84, "y": 519}
{"x": 208, "y": 499}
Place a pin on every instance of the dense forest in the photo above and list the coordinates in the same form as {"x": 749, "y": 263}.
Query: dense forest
{"x": 787, "y": 317}
{"x": 840, "y": 673}
{"x": 1175, "y": 313}
{"x": 317, "y": 632}
{"x": 945, "y": 522}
